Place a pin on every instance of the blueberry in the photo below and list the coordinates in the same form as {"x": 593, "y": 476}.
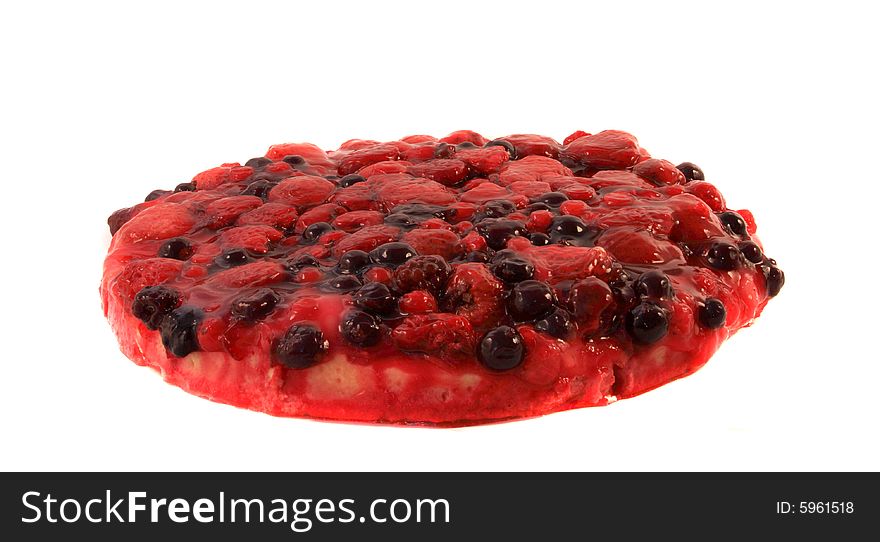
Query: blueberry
{"x": 360, "y": 328}
{"x": 343, "y": 283}
{"x": 402, "y": 221}
{"x": 723, "y": 256}
{"x": 179, "y": 331}
{"x": 477, "y": 256}
{"x": 712, "y": 313}
{"x": 294, "y": 160}
{"x": 177, "y": 248}
{"x": 255, "y": 306}
{"x": 751, "y": 252}
{"x": 350, "y": 179}
{"x": 558, "y": 324}
{"x": 647, "y": 323}
{"x": 466, "y": 145}
{"x": 392, "y": 253}
{"x": 375, "y": 297}
{"x": 501, "y": 349}
{"x": 497, "y": 208}
{"x": 303, "y": 260}
{"x": 537, "y": 206}
{"x": 571, "y": 230}
{"x": 259, "y": 188}
{"x": 185, "y": 187}
{"x": 506, "y": 145}
{"x": 156, "y": 194}
{"x": 444, "y": 150}
{"x": 653, "y": 285}
{"x": 734, "y": 223}
{"x": 352, "y": 262}
{"x": 512, "y": 268}
{"x": 232, "y": 258}
{"x": 314, "y": 232}
{"x": 300, "y": 347}
{"x": 529, "y": 300}
{"x": 775, "y": 279}
{"x": 498, "y": 231}
{"x": 153, "y": 303}
{"x": 540, "y": 239}
{"x": 553, "y": 199}
{"x": 258, "y": 163}
{"x": 691, "y": 171}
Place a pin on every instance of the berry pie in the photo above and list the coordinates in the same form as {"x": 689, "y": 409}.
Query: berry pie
{"x": 450, "y": 281}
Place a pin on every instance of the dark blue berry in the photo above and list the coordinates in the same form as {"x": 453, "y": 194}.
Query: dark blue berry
{"x": 511, "y": 268}
{"x": 360, "y": 328}
{"x": 497, "y": 208}
{"x": 260, "y": 188}
{"x": 294, "y": 160}
{"x": 343, "y": 283}
{"x": 751, "y": 251}
{"x": 653, "y": 285}
{"x": 258, "y": 162}
{"x": 350, "y": 179}
{"x": 558, "y": 324}
{"x": 392, "y": 253}
{"x": 477, "y": 256}
{"x": 691, "y": 171}
{"x": 177, "y": 248}
{"x": 774, "y": 278}
{"x": 179, "y": 331}
{"x": 233, "y": 258}
{"x": 302, "y": 260}
{"x": 540, "y": 239}
{"x": 255, "y": 306}
{"x": 553, "y": 199}
{"x": 300, "y": 347}
{"x": 153, "y": 303}
{"x": 185, "y": 187}
{"x": 376, "y": 298}
{"x": 496, "y": 232}
{"x": 647, "y": 323}
{"x": 156, "y": 194}
{"x": 734, "y": 223}
{"x": 501, "y": 349}
{"x": 571, "y": 230}
{"x": 314, "y": 232}
{"x": 352, "y": 262}
{"x": 530, "y": 300}
{"x": 723, "y": 256}
{"x": 712, "y": 313}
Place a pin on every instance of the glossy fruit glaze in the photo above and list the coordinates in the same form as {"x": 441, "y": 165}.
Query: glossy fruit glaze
{"x": 442, "y": 281}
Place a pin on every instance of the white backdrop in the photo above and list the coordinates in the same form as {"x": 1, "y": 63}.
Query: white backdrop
{"x": 777, "y": 102}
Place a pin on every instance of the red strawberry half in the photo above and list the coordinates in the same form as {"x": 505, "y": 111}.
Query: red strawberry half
{"x": 448, "y": 281}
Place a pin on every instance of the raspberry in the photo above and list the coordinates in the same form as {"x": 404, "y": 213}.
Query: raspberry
{"x": 576, "y": 135}
{"x": 139, "y": 274}
{"x": 483, "y": 161}
{"x": 708, "y": 193}
{"x": 531, "y": 168}
{"x": 417, "y": 302}
{"x": 422, "y": 273}
{"x": 473, "y": 292}
{"x": 441, "y": 334}
{"x": 462, "y": 136}
{"x": 322, "y": 213}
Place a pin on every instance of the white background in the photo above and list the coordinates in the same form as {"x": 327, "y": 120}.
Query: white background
{"x": 103, "y": 102}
